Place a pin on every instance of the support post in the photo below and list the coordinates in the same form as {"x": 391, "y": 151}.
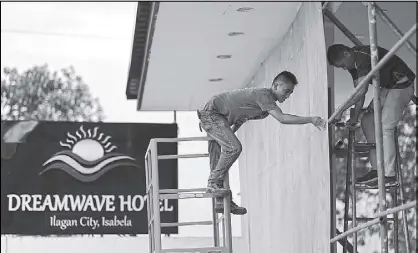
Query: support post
{"x": 352, "y": 158}
{"x": 378, "y": 125}
{"x": 401, "y": 195}
{"x": 395, "y": 221}
{"x": 227, "y": 215}
{"x": 342, "y": 27}
{"x": 155, "y": 197}
{"x": 215, "y": 225}
{"x": 347, "y": 185}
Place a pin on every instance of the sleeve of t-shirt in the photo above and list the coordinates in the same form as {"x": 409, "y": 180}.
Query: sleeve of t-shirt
{"x": 266, "y": 102}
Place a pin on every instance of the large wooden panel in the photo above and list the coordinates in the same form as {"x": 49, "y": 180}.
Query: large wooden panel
{"x": 285, "y": 168}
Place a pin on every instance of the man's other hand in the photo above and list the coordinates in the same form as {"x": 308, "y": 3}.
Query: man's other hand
{"x": 318, "y": 122}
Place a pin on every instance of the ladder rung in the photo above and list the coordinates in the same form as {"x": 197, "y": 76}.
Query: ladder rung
{"x": 376, "y": 187}
{"x": 186, "y": 195}
{"x": 365, "y": 219}
{"x": 180, "y": 224}
{"x": 361, "y": 149}
{"x": 197, "y": 250}
{"x": 342, "y": 152}
{"x": 166, "y": 157}
{"x": 364, "y": 147}
{"x": 201, "y": 190}
{"x": 182, "y": 139}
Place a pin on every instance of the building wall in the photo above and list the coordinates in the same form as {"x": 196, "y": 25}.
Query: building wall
{"x": 284, "y": 169}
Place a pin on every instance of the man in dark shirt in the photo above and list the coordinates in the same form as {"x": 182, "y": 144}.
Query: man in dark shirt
{"x": 397, "y": 90}
{"x": 233, "y": 108}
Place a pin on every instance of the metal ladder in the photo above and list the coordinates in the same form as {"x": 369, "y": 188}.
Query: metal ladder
{"x": 357, "y": 150}
{"x": 155, "y": 194}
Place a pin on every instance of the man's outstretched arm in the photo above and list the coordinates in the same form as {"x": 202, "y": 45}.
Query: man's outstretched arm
{"x": 357, "y": 97}
{"x": 358, "y": 100}
{"x": 290, "y": 119}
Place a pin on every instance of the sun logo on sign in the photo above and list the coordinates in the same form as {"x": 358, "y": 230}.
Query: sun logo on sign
{"x": 88, "y": 156}
{"x": 89, "y": 146}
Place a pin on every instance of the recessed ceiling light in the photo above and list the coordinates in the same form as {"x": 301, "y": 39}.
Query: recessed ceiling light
{"x": 215, "y": 79}
{"x": 224, "y": 56}
{"x": 235, "y": 33}
{"x": 245, "y": 9}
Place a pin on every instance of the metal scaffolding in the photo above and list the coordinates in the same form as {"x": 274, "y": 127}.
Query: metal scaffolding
{"x": 376, "y": 65}
{"x": 155, "y": 194}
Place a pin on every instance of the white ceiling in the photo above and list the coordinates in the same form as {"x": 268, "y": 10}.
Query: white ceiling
{"x": 189, "y": 36}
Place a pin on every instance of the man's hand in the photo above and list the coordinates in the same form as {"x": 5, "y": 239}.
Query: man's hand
{"x": 337, "y": 118}
{"x": 352, "y": 125}
{"x": 318, "y": 122}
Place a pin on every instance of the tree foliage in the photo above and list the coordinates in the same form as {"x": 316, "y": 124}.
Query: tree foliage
{"x": 369, "y": 198}
{"x": 39, "y": 94}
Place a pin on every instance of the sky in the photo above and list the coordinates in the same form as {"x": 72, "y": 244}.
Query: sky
{"x": 96, "y": 39}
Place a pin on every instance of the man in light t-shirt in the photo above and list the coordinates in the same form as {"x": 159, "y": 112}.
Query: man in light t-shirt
{"x": 232, "y": 109}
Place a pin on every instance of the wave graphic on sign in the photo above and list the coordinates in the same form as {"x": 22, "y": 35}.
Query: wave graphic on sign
{"x": 89, "y": 156}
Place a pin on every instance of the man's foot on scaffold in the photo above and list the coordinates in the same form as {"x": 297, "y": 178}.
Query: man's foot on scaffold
{"x": 371, "y": 179}
{"x": 235, "y": 209}
{"x": 217, "y": 189}
{"x": 389, "y": 181}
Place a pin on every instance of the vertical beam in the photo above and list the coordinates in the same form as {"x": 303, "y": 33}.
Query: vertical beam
{"x": 227, "y": 216}
{"x": 385, "y": 18}
{"x": 215, "y": 225}
{"x": 149, "y": 215}
{"x": 401, "y": 195}
{"x": 347, "y": 184}
{"x": 378, "y": 124}
{"x": 155, "y": 197}
{"x": 342, "y": 27}
{"x": 395, "y": 221}
{"x": 352, "y": 158}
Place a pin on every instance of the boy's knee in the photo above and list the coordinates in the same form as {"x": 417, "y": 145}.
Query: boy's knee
{"x": 236, "y": 149}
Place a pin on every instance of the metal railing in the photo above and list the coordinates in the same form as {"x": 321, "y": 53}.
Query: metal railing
{"x": 154, "y": 194}
{"x": 378, "y": 218}
{"x": 375, "y": 67}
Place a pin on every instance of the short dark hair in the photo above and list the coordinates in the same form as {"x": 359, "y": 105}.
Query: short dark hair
{"x": 336, "y": 52}
{"x": 287, "y": 77}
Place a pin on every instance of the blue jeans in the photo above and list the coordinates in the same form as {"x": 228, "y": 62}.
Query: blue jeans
{"x": 225, "y": 147}
{"x": 393, "y": 103}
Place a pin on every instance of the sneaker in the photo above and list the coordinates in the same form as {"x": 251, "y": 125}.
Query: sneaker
{"x": 389, "y": 181}
{"x": 235, "y": 209}
{"x": 216, "y": 189}
{"x": 370, "y": 177}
